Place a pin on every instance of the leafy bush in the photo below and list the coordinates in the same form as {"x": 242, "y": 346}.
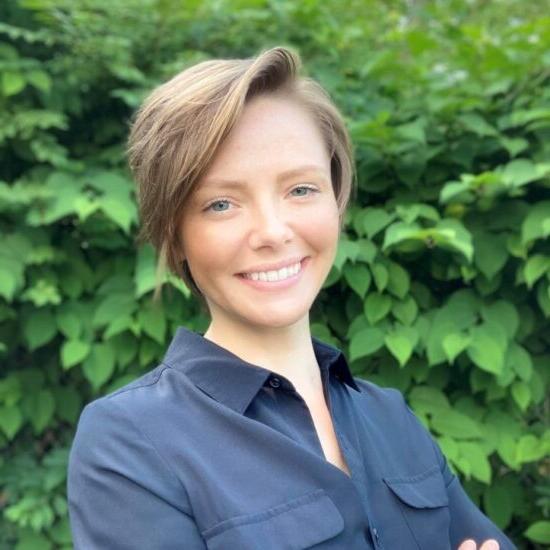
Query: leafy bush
{"x": 441, "y": 285}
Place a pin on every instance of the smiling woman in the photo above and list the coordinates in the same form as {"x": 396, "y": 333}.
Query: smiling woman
{"x": 255, "y": 435}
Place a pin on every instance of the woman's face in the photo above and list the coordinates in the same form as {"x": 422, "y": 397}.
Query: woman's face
{"x": 281, "y": 210}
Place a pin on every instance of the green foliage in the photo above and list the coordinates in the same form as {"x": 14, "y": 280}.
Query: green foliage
{"x": 441, "y": 284}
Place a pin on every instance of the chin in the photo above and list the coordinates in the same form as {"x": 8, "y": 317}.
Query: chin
{"x": 274, "y": 319}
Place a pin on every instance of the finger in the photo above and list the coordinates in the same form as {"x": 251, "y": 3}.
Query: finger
{"x": 490, "y": 544}
{"x": 468, "y": 544}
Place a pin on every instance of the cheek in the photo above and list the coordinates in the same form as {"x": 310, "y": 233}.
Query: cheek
{"x": 208, "y": 249}
{"x": 322, "y": 227}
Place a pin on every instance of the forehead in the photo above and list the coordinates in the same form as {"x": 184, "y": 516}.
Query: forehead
{"x": 272, "y": 136}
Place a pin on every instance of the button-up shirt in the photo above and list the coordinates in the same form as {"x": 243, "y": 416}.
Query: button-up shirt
{"x": 208, "y": 451}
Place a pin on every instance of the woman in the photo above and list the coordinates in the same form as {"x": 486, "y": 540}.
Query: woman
{"x": 255, "y": 435}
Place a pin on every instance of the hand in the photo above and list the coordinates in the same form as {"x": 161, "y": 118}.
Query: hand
{"x": 489, "y": 544}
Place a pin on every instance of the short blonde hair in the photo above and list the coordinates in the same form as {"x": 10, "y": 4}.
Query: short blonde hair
{"x": 179, "y": 127}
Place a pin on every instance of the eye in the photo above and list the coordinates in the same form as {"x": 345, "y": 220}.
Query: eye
{"x": 217, "y": 202}
{"x": 306, "y": 188}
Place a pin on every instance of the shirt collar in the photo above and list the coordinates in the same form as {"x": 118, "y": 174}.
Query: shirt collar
{"x": 231, "y": 380}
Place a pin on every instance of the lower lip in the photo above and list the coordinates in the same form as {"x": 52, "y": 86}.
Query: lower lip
{"x": 276, "y": 285}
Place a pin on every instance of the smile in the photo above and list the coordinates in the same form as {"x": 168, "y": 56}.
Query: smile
{"x": 275, "y": 280}
{"x": 279, "y": 275}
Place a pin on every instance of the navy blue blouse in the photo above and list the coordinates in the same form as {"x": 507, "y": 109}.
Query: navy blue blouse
{"x": 207, "y": 451}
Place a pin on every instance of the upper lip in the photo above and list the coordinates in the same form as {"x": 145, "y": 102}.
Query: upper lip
{"x": 275, "y": 266}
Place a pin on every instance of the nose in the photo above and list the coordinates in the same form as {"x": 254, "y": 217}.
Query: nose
{"x": 270, "y": 225}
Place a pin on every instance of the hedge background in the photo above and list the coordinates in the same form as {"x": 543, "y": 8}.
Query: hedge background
{"x": 441, "y": 286}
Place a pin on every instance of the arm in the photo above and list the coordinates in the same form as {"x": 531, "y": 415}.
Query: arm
{"x": 121, "y": 494}
{"x": 467, "y": 521}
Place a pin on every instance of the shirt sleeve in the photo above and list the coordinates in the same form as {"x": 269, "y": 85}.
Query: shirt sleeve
{"x": 121, "y": 493}
{"x": 467, "y": 520}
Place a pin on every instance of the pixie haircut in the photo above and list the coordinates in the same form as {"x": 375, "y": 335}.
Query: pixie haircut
{"x": 175, "y": 133}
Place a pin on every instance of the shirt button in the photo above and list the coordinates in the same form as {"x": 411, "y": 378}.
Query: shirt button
{"x": 375, "y": 536}
{"x": 274, "y": 382}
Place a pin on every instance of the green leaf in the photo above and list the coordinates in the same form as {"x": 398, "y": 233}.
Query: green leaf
{"x": 455, "y": 424}
{"x": 68, "y": 322}
{"x": 120, "y": 209}
{"x": 485, "y": 349}
{"x": 85, "y": 207}
{"x": 401, "y": 343}
{"x": 381, "y": 276}
{"x": 145, "y": 274}
{"x": 10, "y": 390}
{"x": 39, "y": 328}
{"x": 153, "y": 322}
{"x": 506, "y": 449}
{"x": 33, "y": 541}
{"x": 68, "y": 404}
{"x": 347, "y": 250}
{"x": 448, "y": 234}
{"x": 74, "y": 352}
{"x": 39, "y": 407}
{"x": 536, "y": 224}
{"x": 120, "y": 324}
{"x": 519, "y": 361}
{"x": 410, "y": 212}
{"x": 479, "y": 465}
{"x": 40, "y": 80}
{"x": 499, "y": 504}
{"x": 521, "y": 394}
{"x": 535, "y": 267}
{"x": 529, "y": 449}
{"x": 477, "y": 124}
{"x": 358, "y": 278}
{"x": 374, "y": 220}
{"x": 377, "y": 306}
{"x": 99, "y": 365}
{"x": 399, "y": 281}
{"x": 12, "y": 82}
{"x": 367, "y": 251}
{"x": 125, "y": 346}
{"x": 503, "y": 313}
{"x": 455, "y": 343}
{"x": 522, "y": 171}
{"x": 543, "y": 298}
{"x": 413, "y": 131}
{"x": 539, "y": 532}
{"x": 11, "y": 420}
{"x": 490, "y": 253}
{"x": 11, "y": 277}
{"x": 366, "y": 342}
{"x": 405, "y": 310}
{"x": 121, "y": 304}
{"x": 428, "y": 400}
{"x": 514, "y": 146}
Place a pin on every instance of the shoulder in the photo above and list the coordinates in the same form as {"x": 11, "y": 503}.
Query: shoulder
{"x": 381, "y": 400}
{"x": 114, "y": 425}
{"x": 130, "y": 397}
{"x": 388, "y": 415}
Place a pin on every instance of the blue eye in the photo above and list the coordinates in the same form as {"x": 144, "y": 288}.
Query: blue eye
{"x": 307, "y": 187}
{"x": 220, "y": 201}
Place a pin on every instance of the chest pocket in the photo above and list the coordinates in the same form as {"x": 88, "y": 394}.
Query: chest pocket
{"x": 424, "y": 505}
{"x": 299, "y": 523}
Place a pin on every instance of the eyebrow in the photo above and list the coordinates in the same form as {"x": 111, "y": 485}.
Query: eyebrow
{"x": 283, "y": 176}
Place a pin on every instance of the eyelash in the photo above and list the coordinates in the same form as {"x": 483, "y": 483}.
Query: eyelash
{"x": 213, "y": 202}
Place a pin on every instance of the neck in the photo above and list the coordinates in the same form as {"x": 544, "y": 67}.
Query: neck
{"x": 287, "y": 351}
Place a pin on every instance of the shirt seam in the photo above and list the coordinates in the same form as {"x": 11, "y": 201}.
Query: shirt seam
{"x": 143, "y": 385}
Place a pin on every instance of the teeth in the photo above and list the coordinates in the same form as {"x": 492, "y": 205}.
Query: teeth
{"x": 271, "y": 276}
